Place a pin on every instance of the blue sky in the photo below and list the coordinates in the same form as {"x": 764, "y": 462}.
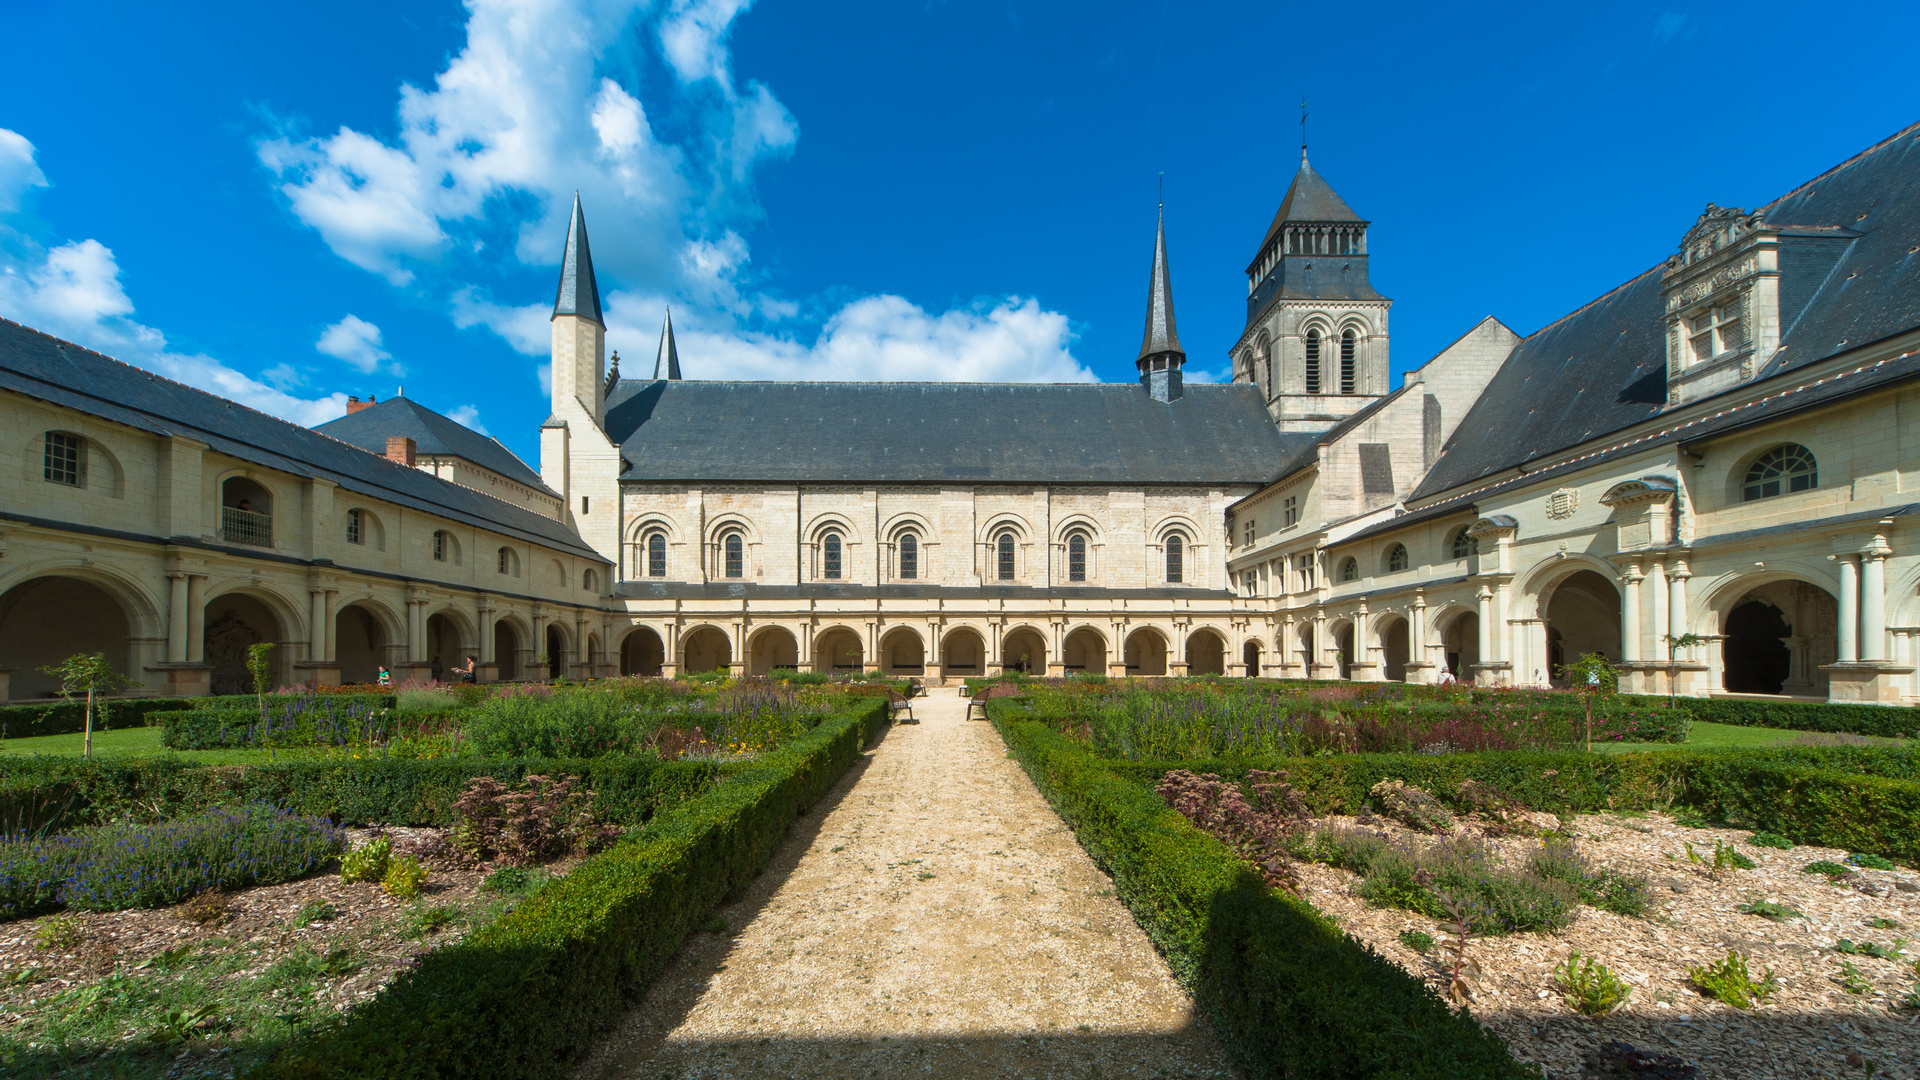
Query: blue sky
{"x": 292, "y": 203}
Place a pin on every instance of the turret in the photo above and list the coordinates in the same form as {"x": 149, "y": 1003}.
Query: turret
{"x": 579, "y": 333}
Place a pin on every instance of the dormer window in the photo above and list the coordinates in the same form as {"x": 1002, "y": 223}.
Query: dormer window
{"x": 1716, "y": 331}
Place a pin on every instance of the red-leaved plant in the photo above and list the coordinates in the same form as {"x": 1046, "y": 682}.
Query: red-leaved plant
{"x": 1263, "y": 830}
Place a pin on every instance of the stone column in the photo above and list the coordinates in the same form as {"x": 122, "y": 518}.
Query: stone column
{"x": 196, "y": 618}
{"x": 177, "y": 617}
{"x": 333, "y": 629}
{"x": 416, "y": 632}
{"x": 1630, "y": 615}
{"x": 317, "y": 626}
{"x": 483, "y": 616}
{"x": 1656, "y": 586}
{"x": 540, "y": 642}
{"x": 1873, "y": 606}
{"x": 1485, "y": 596}
{"x": 1317, "y": 656}
{"x": 1849, "y": 608}
{"x": 1677, "y": 617}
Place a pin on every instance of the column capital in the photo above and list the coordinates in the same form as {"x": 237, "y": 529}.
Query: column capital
{"x": 1680, "y": 568}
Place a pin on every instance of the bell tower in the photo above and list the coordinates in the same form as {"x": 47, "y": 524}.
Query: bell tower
{"x": 577, "y": 460}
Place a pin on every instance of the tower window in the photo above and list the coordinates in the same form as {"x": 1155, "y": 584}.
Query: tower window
{"x": 1783, "y": 469}
{"x": 356, "y": 527}
{"x": 734, "y": 552}
{"x": 657, "y": 555}
{"x": 830, "y": 556}
{"x": 1003, "y": 557}
{"x": 64, "y": 461}
{"x": 583, "y": 504}
{"x": 507, "y": 564}
{"x": 909, "y": 556}
{"x": 1346, "y": 363}
{"x": 1176, "y": 559}
{"x": 1077, "y": 556}
{"x": 1313, "y": 361}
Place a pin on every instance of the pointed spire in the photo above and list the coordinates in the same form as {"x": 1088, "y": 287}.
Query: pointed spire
{"x": 668, "y": 359}
{"x": 579, "y": 293}
{"x": 1161, "y": 339}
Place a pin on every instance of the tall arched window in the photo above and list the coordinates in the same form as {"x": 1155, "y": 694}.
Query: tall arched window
{"x": 1346, "y": 363}
{"x": 1397, "y": 558}
{"x": 1176, "y": 559}
{"x": 1313, "y": 361}
{"x": 440, "y": 545}
{"x": 590, "y": 581}
{"x": 1784, "y": 469}
{"x": 909, "y": 556}
{"x": 1076, "y": 556}
{"x": 734, "y": 553}
{"x": 507, "y": 563}
{"x": 657, "y": 555}
{"x": 830, "y": 556}
{"x": 356, "y": 527}
{"x": 1003, "y": 557}
{"x": 1350, "y": 569}
{"x": 1464, "y": 545}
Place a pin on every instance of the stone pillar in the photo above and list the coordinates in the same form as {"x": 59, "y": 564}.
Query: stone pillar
{"x": 483, "y": 616}
{"x": 540, "y": 644}
{"x": 1630, "y": 615}
{"x": 1363, "y": 665}
{"x": 1678, "y": 618}
{"x": 333, "y": 628}
{"x": 1317, "y": 656}
{"x": 196, "y": 618}
{"x": 1656, "y": 586}
{"x": 1485, "y": 596}
{"x": 177, "y": 617}
{"x": 1873, "y": 606}
{"x": 317, "y": 626}
{"x": 1418, "y": 667}
{"x": 416, "y": 631}
{"x": 1849, "y": 608}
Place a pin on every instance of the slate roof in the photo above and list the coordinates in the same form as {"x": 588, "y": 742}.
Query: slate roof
{"x": 1602, "y": 368}
{"x": 842, "y": 432}
{"x": 44, "y": 367}
{"x": 1309, "y": 198}
{"x": 1160, "y": 336}
{"x": 579, "y": 293}
{"x": 432, "y": 433}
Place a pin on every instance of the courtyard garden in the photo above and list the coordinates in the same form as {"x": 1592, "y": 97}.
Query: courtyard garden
{"x": 1375, "y": 880}
{"x": 311, "y": 883}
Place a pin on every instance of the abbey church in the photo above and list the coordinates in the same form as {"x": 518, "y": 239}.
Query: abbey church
{"x": 1707, "y": 474}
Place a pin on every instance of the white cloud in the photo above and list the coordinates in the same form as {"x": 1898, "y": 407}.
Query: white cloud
{"x": 528, "y": 328}
{"x": 356, "y": 341}
{"x": 470, "y": 416}
{"x": 18, "y": 170}
{"x": 73, "y": 291}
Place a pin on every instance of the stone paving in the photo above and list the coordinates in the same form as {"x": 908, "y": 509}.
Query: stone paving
{"x": 932, "y": 916}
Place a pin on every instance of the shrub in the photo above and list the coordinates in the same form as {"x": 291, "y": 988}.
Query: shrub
{"x": 1828, "y": 867}
{"x": 1767, "y": 909}
{"x": 1589, "y": 987}
{"x": 403, "y": 878}
{"x": 1609, "y": 890}
{"x": 1870, "y": 861}
{"x": 1730, "y": 981}
{"x": 525, "y": 994}
{"x": 555, "y": 726}
{"x": 130, "y": 865}
{"x": 1412, "y": 807}
{"x": 540, "y": 822}
{"x": 515, "y": 881}
{"x": 285, "y": 721}
{"x": 1770, "y": 840}
{"x": 1417, "y": 940}
{"x": 368, "y": 862}
{"x": 1881, "y": 720}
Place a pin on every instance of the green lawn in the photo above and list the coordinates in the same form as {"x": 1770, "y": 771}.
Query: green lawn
{"x": 136, "y": 742}
{"x": 1705, "y": 735}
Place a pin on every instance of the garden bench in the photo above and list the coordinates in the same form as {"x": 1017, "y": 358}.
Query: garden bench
{"x": 986, "y": 694}
{"x": 900, "y": 705}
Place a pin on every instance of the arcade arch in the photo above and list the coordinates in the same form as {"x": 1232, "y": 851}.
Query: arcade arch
{"x": 236, "y": 622}
{"x": 902, "y": 652}
{"x": 1395, "y": 645}
{"x": 772, "y": 647}
{"x": 642, "y": 652}
{"x": 48, "y": 619}
{"x": 963, "y": 652}
{"x": 1206, "y": 653}
{"x": 838, "y": 649}
{"x": 1778, "y": 637}
{"x": 1085, "y": 651}
{"x": 706, "y": 648}
{"x": 1146, "y": 652}
{"x": 1024, "y": 650}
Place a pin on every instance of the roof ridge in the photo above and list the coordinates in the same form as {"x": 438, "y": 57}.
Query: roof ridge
{"x": 1875, "y": 148}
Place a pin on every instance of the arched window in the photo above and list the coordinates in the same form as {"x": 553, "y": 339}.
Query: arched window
{"x": 356, "y": 527}
{"x": 1176, "y": 559}
{"x": 1076, "y": 556}
{"x": 66, "y": 459}
{"x": 657, "y": 555}
{"x": 1350, "y": 569}
{"x": 1397, "y": 558}
{"x": 1781, "y": 470}
{"x": 439, "y": 545}
{"x": 909, "y": 556}
{"x": 590, "y": 581}
{"x": 507, "y": 564}
{"x": 830, "y": 556}
{"x": 1346, "y": 363}
{"x": 735, "y": 554}
{"x": 1003, "y": 557}
{"x": 1313, "y": 361}
{"x": 1464, "y": 545}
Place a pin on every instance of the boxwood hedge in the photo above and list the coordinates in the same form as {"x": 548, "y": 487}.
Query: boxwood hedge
{"x": 526, "y": 995}
{"x": 66, "y": 717}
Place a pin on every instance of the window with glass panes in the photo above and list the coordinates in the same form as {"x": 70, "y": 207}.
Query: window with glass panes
{"x": 657, "y": 555}
{"x": 909, "y": 556}
{"x": 1715, "y": 331}
{"x": 64, "y": 459}
{"x": 1077, "y": 556}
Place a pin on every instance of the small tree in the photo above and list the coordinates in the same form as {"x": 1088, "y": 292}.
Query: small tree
{"x": 1591, "y": 676}
{"x": 260, "y": 666}
{"x": 1674, "y": 645}
{"x": 89, "y": 674}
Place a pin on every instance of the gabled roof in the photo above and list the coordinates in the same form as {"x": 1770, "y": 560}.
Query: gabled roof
{"x": 44, "y": 367}
{"x": 432, "y": 433}
{"x": 579, "y": 293}
{"x": 842, "y": 432}
{"x": 1310, "y": 198}
{"x": 1602, "y": 368}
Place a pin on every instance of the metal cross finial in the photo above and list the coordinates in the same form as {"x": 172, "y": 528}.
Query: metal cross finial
{"x": 1303, "y": 129}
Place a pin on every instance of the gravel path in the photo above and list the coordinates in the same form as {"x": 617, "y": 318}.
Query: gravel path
{"x": 931, "y": 916}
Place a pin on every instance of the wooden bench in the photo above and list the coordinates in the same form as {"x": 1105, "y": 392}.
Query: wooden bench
{"x": 900, "y": 708}
{"x": 986, "y": 694}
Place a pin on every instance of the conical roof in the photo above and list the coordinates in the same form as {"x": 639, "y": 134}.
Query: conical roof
{"x": 579, "y": 293}
{"x": 1309, "y": 198}
{"x": 1161, "y": 337}
{"x": 668, "y": 358}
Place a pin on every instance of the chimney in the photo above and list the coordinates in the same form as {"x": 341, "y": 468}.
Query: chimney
{"x": 354, "y": 405}
{"x": 400, "y": 450}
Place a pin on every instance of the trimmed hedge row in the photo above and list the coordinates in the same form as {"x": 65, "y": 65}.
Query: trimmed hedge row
{"x": 526, "y": 995}
{"x": 1890, "y": 721}
{"x": 69, "y": 792}
{"x": 1289, "y": 993}
{"x": 66, "y": 717}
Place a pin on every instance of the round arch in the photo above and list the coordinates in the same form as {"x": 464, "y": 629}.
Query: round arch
{"x": 963, "y": 651}
{"x": 771, "y": 647}
{"x": 558, "y": 648}
{"x": 1206, "y": 652}
{"x": 1581, "y": 612}
{"x": 903, "y": 652}
{"x": 50, "y": 617}
{"x": 1145, "y": 652}
{"x": 1250, "y": 653}
{"x": 364, "y": 632}
{"x": 1457, "y": 627}
{"x": 838, "y": 648}
{"x": 1084, "y": 649}
{"x": 1024, "y": 649}
{"x": 1779, "y": 630}
{"x": 642, "y": 651}
{"x": 236, "y": 620}
{"x": 1341, "y": 635}
{"x": 705, "y": 647}
{"x": 1392, "y": 636}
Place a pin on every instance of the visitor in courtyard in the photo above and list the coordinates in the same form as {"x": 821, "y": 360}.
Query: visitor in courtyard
{"x": 386, "y": 677}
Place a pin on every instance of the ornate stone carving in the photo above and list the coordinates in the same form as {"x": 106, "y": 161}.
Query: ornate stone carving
{"x": 1718, "y": 227}
{"x": 1562, "y": 503}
